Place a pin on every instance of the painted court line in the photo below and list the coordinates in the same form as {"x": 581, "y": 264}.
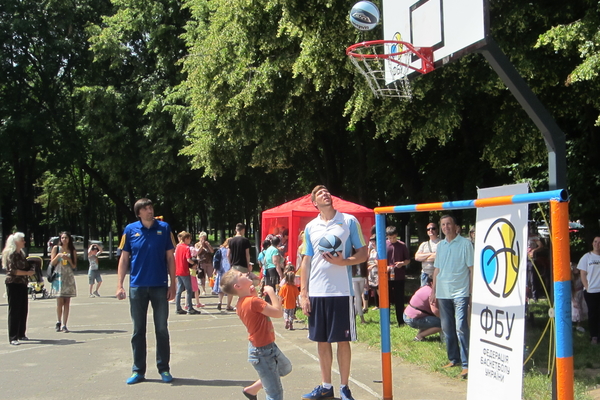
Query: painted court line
{"x": 309, "y": 354}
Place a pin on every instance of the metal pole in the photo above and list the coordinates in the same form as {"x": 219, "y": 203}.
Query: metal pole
{"x": 384, "y": 308}
{"x": 562, "y": 299}
{"x": 110, "y": 245}
{"x": 553, "y": 135}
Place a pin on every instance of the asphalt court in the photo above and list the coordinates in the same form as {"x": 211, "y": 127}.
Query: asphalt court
{"x": 208, "y": 356}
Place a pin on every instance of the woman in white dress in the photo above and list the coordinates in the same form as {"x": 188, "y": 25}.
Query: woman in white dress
{"x": 64, "y": 258}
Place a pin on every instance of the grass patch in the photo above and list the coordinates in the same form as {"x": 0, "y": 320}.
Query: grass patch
{"x": 430, "y": 354}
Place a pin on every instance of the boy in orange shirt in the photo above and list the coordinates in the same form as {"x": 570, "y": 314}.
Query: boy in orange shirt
{"x": 263, "y": 353}
{"x": 289, "y": 293}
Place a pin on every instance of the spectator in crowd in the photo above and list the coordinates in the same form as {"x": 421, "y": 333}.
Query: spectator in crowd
{"x": 273, "y": 264}
{"x": 260, "y": 259}
{"x": 221, "y": 266}
{"x": 288, "y": 268}
{"x": 373, "y": 271}
{"x": 426, "y": 252}
{"x": 239, "y": 250}
{"x": 205, "y": 268}
{"x": 183, "y": 262}
{"x": 326, "y": 292}
{"x": 64, "y": 258}
{"x": 589, "y": 266}
{"x": 421, "y": 314}
{"x": 397, "y": 260}
{"x": 289, "y": 296}
{"x": 93, "y": 272}
{"x": 359, "y": 281}
{"x": 534, "y": 246}
{"x": 194, "y": 276}
{"x": 299, "y": 252}
{"x": 14, "y": 262}
{"x": 579, "y": 310}
{"x": 283, "y": 245}
{"x": 452, "y": 284}
{"x": 152, "y": 282}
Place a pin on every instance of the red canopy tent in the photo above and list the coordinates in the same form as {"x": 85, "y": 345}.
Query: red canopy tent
{"x": 295, "y": 214}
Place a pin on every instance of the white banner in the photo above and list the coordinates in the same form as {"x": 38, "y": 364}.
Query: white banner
{"x": 498, "y": 309}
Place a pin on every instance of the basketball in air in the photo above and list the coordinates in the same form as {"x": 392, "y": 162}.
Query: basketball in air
{"x": 364, "y": 15}
{"x": 330, "y": 244}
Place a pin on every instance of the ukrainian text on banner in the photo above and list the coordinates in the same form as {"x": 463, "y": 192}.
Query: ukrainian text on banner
{"x": 498, "y": 308}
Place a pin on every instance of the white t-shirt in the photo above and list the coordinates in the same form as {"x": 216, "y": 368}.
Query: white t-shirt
{"x": 93, "y": 260}
{"x": 326, "y": 279}
{"x": 590, "y": 263}
{"x": 428, "y": 247}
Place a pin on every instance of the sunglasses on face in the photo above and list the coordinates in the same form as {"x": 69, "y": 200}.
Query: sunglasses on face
{"x": 432, "y": 229}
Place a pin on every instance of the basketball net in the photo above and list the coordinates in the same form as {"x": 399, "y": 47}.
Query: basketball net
{"x": 386, "y": 65}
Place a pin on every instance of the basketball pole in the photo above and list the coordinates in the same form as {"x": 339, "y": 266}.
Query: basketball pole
{"x": 554, "y": 137}
{"x": 559, "y": 216}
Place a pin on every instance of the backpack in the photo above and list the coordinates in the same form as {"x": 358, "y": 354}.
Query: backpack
{"x": 216, "y": 261}
{"x": 51, "y": 273}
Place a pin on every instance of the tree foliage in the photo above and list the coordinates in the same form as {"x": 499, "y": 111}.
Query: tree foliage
{"x": 218, "y": 109}
{"x": 576, "y": 43}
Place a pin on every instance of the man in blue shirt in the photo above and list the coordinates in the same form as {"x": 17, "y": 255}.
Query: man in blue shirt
{"x": 452, "y": 284}
{"x": 151, "y": 245}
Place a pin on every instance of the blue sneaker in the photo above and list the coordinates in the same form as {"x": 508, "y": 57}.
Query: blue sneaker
{"x": 135, "y": 378}
{"x": 166, "y": 376}
{"x": 346, "y": 394}
{"x": 319, "y": 393}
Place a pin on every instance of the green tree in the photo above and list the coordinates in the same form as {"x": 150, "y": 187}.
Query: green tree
{"x": 577, "y": 42}
{"x": 43, "y": 56}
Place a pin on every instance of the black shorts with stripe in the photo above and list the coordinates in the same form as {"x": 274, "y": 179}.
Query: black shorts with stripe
{"x": 332, "y": 319}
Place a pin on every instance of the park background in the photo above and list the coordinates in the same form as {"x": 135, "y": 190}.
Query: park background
{"x": 218, "y": 110}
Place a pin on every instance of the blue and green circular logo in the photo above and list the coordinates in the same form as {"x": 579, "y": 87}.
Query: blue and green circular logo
{"x": 500, "y": 258}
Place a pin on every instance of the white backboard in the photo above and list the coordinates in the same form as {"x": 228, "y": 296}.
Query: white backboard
{"x": 451, "y": 27}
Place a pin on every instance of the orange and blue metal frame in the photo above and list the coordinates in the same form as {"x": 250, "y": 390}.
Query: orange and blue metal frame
{"x": 562, "y": 277}
{"x": 561, "y": 267}
{"x": 384, "y": 307}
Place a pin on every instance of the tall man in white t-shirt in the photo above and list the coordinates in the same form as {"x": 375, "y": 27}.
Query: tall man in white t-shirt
{"x": 326, "y": 288}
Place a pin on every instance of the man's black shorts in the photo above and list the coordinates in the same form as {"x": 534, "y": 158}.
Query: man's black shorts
{"x": 332, "y": 319}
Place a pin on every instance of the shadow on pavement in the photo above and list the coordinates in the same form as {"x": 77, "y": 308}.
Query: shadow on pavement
{"x": 105, "y": 331}
{"x": 57, "y": 342}
{"x": 216, "y": 382}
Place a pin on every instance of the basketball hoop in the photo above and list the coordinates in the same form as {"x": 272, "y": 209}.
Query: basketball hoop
{"x": 387, "y": 63}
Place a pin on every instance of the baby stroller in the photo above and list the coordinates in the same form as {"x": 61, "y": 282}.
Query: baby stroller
{"x": 35, "y": 288}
